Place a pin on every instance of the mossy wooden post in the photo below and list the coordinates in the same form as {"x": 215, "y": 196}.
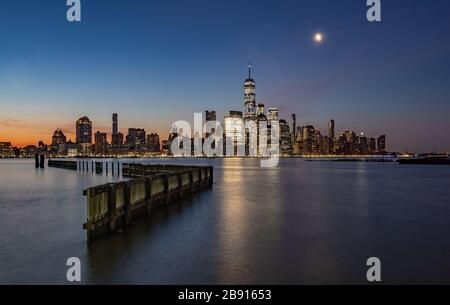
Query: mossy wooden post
{"x": 211, "y": 175}
{"x": 99, "y": 167}
{"x": 127, "y": 203}
{"x": 180, "y": 184}
{"x": 166, "y": 189}
{"x": 42, "y": 161}
{"x": 112, "y": 208}
{"x": 148, "y": 192}
{"x": 191, "y": 181}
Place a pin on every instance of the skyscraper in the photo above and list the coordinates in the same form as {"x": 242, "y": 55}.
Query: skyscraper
{"x": 294, "y": 129}
{"x": 115, "y": 130}
{"x": 331, "y": 129}
{"x": 84, "y": 131}
{"x": 285, "y": 138}
{"x": 115, "y": 124}
{"x": 249, "y": 96}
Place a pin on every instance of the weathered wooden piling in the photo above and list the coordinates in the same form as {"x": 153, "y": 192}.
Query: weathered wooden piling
{"x": 99, "y": 167}
{"x": 36, "y": 160}
{"x": 42, "y": 161}
{"x": 116, "y": 205}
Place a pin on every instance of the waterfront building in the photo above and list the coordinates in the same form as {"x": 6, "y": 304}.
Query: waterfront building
{"x": 165, "y": 147}
{"x": 372, "y": 146}
{"x": 84, "y": 135}
{"x": 58, "y": 142}
{"x": 84, "y": 131}
{"x": 153, "y": 144}
{"x": 308, "y": 139}
{"x": 101, "y": 143}
{"x": 363, "y": 144}
{"x": 136, "y": 138}
{"x": 381, "y": 144}
{"x": 6, "y": 150}
{"x": 58, "y": 138}
{"x": 233, "y": 130}
{"x": 285, "y": 138}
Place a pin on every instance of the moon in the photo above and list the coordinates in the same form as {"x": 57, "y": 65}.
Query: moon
{"x": 318, "y": 37}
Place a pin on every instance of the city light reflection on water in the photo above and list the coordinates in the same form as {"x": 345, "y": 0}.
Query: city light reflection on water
{"x": 299, "y": 223}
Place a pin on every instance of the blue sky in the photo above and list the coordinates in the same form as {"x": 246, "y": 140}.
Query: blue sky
{"x": 155, "y": 62}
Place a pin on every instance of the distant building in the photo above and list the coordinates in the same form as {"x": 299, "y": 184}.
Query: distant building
{"x": 84, "y": 135}
{"x": 233, "y": 130}
{"x": 165, "y": 147}
{"x": 153, "y": 143}
{"x": 58, "y": 143}
{"x": 372, "y": 146}
{"x": 58, "y": 138}
{"x": 381, "y": 144}
{"x": 6, "y": 149}
{"x": 136, "y": 138}
{"x": 272, "y": 115}
{"x": 249, "y": 97}
{"x": 120, "y": 140}
{"x": 84, "y": 131}
{"x": 350, "y": 143}
{"x": 210, "y": 116}
{"x": 101, "y": 143}
{"x": 285, "y": 138}
{"x": 294, "y": 129}
{"x": 308, "y": 139}
{"x": 363, "y": 144}
{"x": 260, "y": 110}
{"x": 115, "y": 132}
{"x": 331, "y": 129}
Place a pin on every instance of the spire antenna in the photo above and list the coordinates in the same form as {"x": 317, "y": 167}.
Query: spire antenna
{"x": 249, "y": 69}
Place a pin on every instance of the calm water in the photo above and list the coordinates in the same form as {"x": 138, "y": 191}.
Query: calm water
{"x": 299, "y": 223}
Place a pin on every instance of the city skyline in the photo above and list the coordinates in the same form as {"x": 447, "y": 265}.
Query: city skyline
{"x": 388, "y": 78}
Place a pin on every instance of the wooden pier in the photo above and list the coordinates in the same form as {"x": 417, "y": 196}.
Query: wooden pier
{"x": 113, "y": 206}
{"x": 73, "y": 165}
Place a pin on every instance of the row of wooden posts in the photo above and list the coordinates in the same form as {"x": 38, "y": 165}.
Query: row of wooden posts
{"x": 84, "y": 166}
{"x": 99, "y": 167}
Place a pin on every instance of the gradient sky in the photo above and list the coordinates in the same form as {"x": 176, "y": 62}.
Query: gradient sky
{"x": 155, "y": 62}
